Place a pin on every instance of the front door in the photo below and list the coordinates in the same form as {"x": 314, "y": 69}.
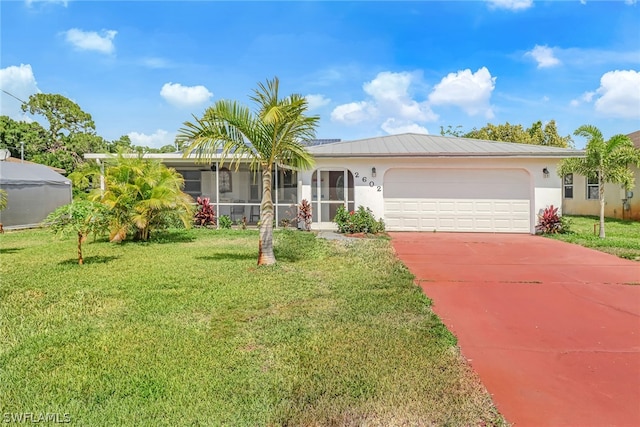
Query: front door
{"x": 330, "y": 190}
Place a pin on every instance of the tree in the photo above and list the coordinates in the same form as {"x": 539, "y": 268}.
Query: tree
{"x": 536, "y": 134}
{"x": 71, "y": 131}
{"x": 275, "y": 132}
{"x": 142, "y": 195}
{"x": 22, "y": 137}
{"x": 606, "y": 161}
{"x": 80, "y": 218}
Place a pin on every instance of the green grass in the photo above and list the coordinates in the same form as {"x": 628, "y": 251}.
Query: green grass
{"x": 622, "y": 237}
{"x": 187, "y": 330}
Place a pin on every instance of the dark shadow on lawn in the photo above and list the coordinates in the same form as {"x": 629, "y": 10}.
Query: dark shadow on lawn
{"x": 228, "y": 256}
{"x": 10, "y": 250}
{"x": 97, "y": 259}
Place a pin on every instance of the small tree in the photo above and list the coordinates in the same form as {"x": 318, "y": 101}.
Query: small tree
{"x": 3, "y": 199}
{"x": 606, "y": 161}
{"x": 81, "y": 218}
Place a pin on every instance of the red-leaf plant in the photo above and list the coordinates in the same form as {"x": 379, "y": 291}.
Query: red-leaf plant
{"x": 549, "y": 222}
{"x": 205, "y": 215}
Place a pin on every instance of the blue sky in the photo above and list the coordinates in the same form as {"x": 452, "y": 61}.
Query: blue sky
{"x": 368, "y": 68}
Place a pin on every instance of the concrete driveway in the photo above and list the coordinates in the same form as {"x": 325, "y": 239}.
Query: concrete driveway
{"x": 552, "y": 329}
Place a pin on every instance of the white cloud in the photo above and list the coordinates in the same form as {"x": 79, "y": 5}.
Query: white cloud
{"x": 394, "y": 127}
{"x": 185, "y": 96}
{"x": 154, "y": 62}
{"x": 619, "y": 94}
{"x": 30, "y": 3}
{"x": 91, "y": 40}
{"x": 469, "y": 91}
{"x": 19, "y": 82}
{"x": 317, "y": 101}
{"x": 390, "y": 103}
{"x": 585, "y": 97}
{"x": 544, "y": 56}
{"x": 352, "y": 113}
{"x": 157, "y": 139}
{"x": 510, "y": 4}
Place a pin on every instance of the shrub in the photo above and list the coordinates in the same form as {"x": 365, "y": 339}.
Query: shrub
{"x": 358, "y": 221}
{"x": 225, "y": 222}
{"x": 205, "y": 215}
{"x": 549, "y": 222}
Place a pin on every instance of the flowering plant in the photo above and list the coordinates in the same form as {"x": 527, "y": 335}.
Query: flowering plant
{"x": 358, "y": 221}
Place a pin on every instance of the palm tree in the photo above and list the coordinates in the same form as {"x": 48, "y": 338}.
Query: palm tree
{"x": 274, "y": 133}
{"x": 606, "y": 161}
{"x": 140, "y": 194}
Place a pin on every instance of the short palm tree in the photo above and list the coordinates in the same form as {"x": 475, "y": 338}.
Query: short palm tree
{"x": 606, "y": 161}
{"x": 140, "y": 193}
{"x": 275, "y": 132}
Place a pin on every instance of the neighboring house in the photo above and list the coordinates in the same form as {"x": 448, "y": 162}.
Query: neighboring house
{"x": 414, "y": 182}
{"x": 581, "y": 197}
{"x": 33, "y": 191}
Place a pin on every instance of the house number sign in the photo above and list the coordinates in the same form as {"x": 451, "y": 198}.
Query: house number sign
{"x": 372, "y": 184}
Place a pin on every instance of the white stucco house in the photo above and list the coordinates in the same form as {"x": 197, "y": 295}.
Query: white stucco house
{"x": 414, "y": 182}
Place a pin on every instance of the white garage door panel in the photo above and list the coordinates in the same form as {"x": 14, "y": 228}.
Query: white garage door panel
{"x": 457, "y": 200}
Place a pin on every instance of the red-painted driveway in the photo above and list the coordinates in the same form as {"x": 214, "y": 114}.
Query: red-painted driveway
{"x": 552, "y": 329}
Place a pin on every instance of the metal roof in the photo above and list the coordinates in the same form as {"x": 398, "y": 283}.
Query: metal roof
{"x": 30, "y": 174}
{"x": 420, "y": 145}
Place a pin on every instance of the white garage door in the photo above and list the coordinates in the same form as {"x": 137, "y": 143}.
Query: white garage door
{"x": 478, "y": 200}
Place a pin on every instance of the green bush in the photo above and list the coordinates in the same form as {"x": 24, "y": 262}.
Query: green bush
{"x": 358, "y": 221}
{"x": 225, "y": 222}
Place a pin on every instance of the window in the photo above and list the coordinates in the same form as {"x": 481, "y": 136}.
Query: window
{"x": 192, "y": 183}
{"x": 568, "y": 186}
{"x": 593, "y": 188}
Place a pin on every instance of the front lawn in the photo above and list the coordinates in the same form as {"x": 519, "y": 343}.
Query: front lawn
{"x": 622, "y": 237}
{"x": 186, "y": 330}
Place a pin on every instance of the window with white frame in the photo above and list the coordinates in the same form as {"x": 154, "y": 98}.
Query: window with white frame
{"x": 593, "y": 188}
{"x": 568, "y": 186}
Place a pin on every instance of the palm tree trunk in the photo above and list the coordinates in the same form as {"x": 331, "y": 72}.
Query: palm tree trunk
{"x": 80, "y": 240}
{"x": 601, "y": 189}
{"x": 265, "y": 252}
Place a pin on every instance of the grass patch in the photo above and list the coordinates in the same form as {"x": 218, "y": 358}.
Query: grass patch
{"x": 187, "y": 330}
{"x": 622, "y": 237}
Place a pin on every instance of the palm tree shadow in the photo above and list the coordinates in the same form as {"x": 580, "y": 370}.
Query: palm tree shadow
{"x": 96, "y": 259}
{"x": 227, "y": 256}
{"x": 9, "y": 250}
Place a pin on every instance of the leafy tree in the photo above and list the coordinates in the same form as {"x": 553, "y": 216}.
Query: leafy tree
{"x": 61, "y": 113}
{"x": 16, "y": 136}
{"x": 451, "y": 131}
{"x": 71, "y": 131}
{"x": 275, "y": 132}
{"x": 121, "y": 145}
{"x": 606, "y": 161}
{"x": 536, "y": 134}
{"x": 80, "y": 218}
{"x": 142, "y": 195}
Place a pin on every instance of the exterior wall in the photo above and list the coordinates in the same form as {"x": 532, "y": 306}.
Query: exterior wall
{"x": 368, "y": 190}
{"x": 613, "y": 208}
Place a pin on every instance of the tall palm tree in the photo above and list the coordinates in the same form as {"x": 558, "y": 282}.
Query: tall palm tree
{"x": 275, "y": 132}
{"x": 606, "y": 161}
